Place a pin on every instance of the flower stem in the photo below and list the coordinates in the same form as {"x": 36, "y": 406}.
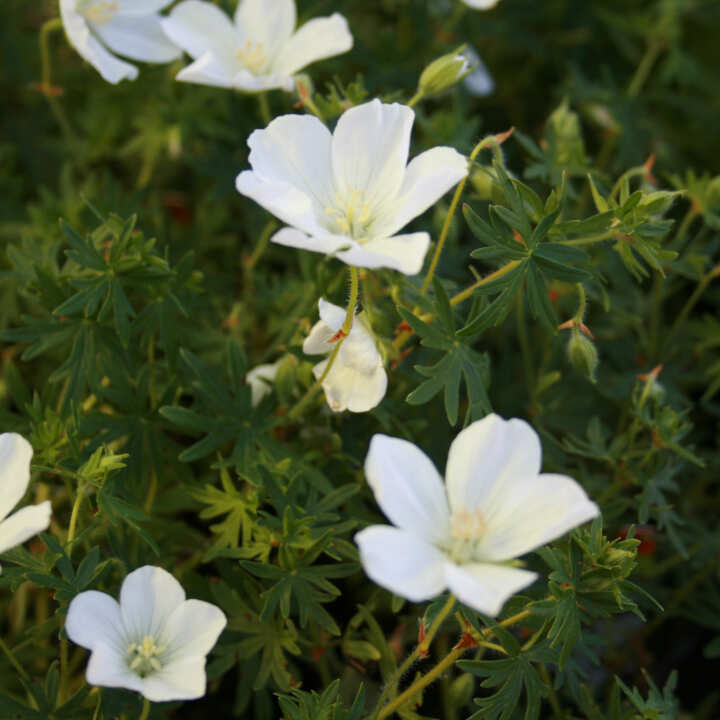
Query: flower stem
{"x": 14, "y": 661}
{"x": 416, "y": 98}
{"x": 146, "y": 710}
{"x": 468, "y": 291}
{"x": 643, "y": 70}
{"x": 73, "y": 519}
{"x": 45, "y": 83}
{"x": 264, "y": 107}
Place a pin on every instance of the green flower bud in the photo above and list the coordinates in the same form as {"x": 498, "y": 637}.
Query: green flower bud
{"x": 461, "y": 690}
{"x": 444, "y": 72}
{"x": 583, "y": 354}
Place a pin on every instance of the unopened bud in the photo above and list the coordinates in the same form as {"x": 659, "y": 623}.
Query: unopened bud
{"x": 583, "y": 354}
{"x": 484, "y": 181}
{"x": 444, "y": 72}
{"x": 461, "y": 690}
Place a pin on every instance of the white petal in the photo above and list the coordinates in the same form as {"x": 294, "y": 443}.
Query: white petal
{"x": 427, "y": 178}
{"x": 147, "y": 598}
{"x": 481, "y": 4}
{"x": 369, "y": 152}
{"x": 486, "y": 458}
{"x": 89, "y": 48}
{"x": 139, "y": 38}
{"x": 267, "y": 24}
{"x": 405, "y": 253}
{"x": 532, "y": 511}
{"x": 15, "y": 456}
{"x": 317, "y": 39}
{"x": 260, "y": 380}
{"x": 193, "y": 629}
{"x": 486, "y": 587}
{"x": 318, "y": 341}
{"x": 107, "y": 667}
{"x": 24, "y": 524}
{"x": 181, "y": 680}
{"x": 348, "y": 388}
{"x": 359, "y": 350}
{"x": 290, "y": 237}
{"x": 198, "y": 26}
{"x": 479, "y": 82}
{"x": 407, "y": 487}
{"x": 94, "y": 619}
{"x": 401, "y": 562}
{"x": 140, "y": 7}
{"x": 332, "y": 315}
{"x": 246, "y": 81}
{"x": 208, "y": 69}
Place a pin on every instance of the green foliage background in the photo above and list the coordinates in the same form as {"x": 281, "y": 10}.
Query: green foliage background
{"x": 128, "y": 327}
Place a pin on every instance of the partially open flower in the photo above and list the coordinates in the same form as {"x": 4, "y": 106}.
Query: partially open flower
{"x": 349, "y": 192}
{"x": 260, "y": 50}
{"x": 495, "y": 506}
{"x": 127, "y": 27}
{"x": 260, "y": 379}
{"x": 15, "y": 456}
{"x": 154, "y": 641}
{"x": 357, "y": 380}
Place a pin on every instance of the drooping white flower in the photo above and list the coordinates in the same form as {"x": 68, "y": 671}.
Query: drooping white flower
{"x": 15, "y": 456}
{"x": 154, "y": 641}
{"x": 260, "y": 379}
{"x": 495, "y": 506}
{"x": 260, "y": 51}
{"x": 349, "y": 192}
{"x": 130, "y": 28}
{"x": 481, "y": 4}
{"x": 357, "y": 380}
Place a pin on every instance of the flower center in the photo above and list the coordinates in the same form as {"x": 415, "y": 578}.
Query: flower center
{"x": 98, "y": 11}
{"x": 350, "y": 215}
{"x": 252, "y": 56}
{"x": 466, "y": 531}
{"x": 143, "y": 658}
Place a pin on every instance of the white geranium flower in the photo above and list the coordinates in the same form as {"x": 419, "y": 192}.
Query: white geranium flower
{"x": 127, "y": 27}
{"x": 349, "y": 192}
{"x": 357, "y": 380}
{"x": 481, "y": 4}
{"x": 495, "y": 507}
{"x": 260, "y": 380}
{"x": 260, "y": 51}
{"x": 154, "y": 641}
{"x": 15, "y": 456}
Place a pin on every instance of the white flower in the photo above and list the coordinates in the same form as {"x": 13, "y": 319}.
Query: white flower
{"x": 479, "y": 82}
{"x": 349, "y": 193}
{"x": 260, "y": 51}
{"x": 128, "y": 27}
{"x": 154, "y": 641}
{"x": 15, "y": 456}
{"x": 260, "y": 379}
{"x": 357, "y": 380}
{"x": 494, "y": 508}
{"x": 481, "y": 4}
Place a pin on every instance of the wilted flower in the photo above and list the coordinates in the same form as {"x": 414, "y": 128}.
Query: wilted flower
{"x": 15, "y": 456}
{"x": 128, "y": 27}
{"x": 357, "y": 380}
{"x": 260, "y": 378}
{"x": 494, "y": 508}
{"x": 260, "y": 51}
{"x": 154, "y": 641}
{"x": 349, "y": 193}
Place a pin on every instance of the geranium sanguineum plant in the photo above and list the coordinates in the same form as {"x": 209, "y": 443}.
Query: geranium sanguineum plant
{"x": 495, "y": 507}
{"x": 348, "y": 193}
{"x": 131, "y": 28}
{"x": 357, "y": 380}
{"x": 15, "y": 456}
{"x": 153, "y": 641}
{"x": 259, "y": 51}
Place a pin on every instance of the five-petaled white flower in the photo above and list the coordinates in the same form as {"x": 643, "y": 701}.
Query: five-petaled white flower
{"x": 15, "y": 456}
{"x": 357, "y": 380}
{"x": 496, "y": 508}
{"x": 260, "y": 379}
{"x": 261, "y": 51}
{"x": 154, "y": 641}
{"x": 128, "y": 27}
{"x": 349, "y": 193}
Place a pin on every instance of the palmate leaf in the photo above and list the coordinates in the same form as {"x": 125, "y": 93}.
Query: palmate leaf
{"x": 303, "y": 705}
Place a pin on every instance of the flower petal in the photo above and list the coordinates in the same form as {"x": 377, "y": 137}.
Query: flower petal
{"x": 486, "y": 458}
{"x": 405, "y": 253}
{"x": 94, "y": 619}
{"x": 147, "y": 598}
{"x": 408, "y": 488}
{"x": 401, "y": 562}
{"x": 266, "y": 24}
{"x": 89, "y": 48}
{"x": 349, "y": 388}
{"x": 260, "y": 379}
{"x": 317, "y": 39}
{"x": 318, "y": 341}
{"x": 485, "y": 587}
{"x": 481, "y": 4}
{"x": 198, "y": 26}
{"x": 428, "y": 177}
{"x": 181, "y": 680}
{"x": 332, "y": 315}
{"x": 139, "y": 38}
{"x": 15, "y": 456}
{"x": 369, "y": 152}
{"x": 107, "y": 667}
{"x": 246, "y": 81}
{"x": 140, "y": 7}
{"x": 208, "y": 69}
{"x": 193, "y": 629}
{"x": 24, "y": 524}
{"x": 290, "y": 237}
{"x": 532, "y": 511}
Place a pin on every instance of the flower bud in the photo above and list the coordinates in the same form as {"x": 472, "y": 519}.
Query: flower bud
{"x": 444, "y": 72}
{"x": 583, "y": 354}
{"x": 286, "y": 378}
